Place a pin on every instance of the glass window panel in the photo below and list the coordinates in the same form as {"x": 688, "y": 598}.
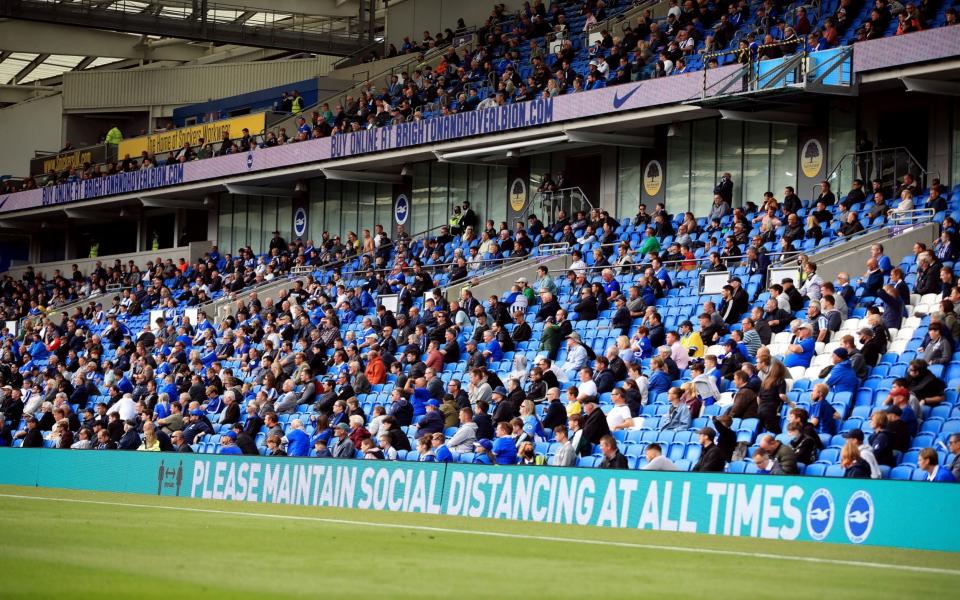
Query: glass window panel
{"x": 420, "y": 203}
{"x": 756, "y": 164}
{"x": 284, "y": 221}
{"x": 368, "y": 207}
{"x": 348, "y": 208}
{"x": 678, "y": 168}
{"x": 459, "y": 176}
{"x": 955, "y": 166}
{"x": 783, "y": 150}
{"x": 225, "y": 224}
{"x": 629, "y": 180}
{"x": 269, "y": 222}
{"x": 331, "y": 209}
{"x": 255, "y": 225}
{"x": 842, "y": 142}
{"x": 539, "y": 165}
{"x": 730, "y": 158}
{"x": 703, "y": 175}
{"x": 385, "y": 207}
{"x": 239, "y": 223}
{"x": 315, "y": 219}
{"x": 477, "y": 189}
{"x": 439, "y": 184}
{"x": 497, "y": 196}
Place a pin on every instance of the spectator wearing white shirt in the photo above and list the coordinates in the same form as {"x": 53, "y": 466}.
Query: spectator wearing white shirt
{"x": 587, "y": 388}
{"x": 126, "y": 407}
{"x": 812, "y": 286}
{"x": 619, "y": 416}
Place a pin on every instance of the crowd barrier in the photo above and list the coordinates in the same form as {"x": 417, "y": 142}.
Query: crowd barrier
{"x": 845, "y": 511}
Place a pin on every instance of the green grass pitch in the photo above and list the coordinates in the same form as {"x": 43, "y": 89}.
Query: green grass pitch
{"x": 69, "y": 544}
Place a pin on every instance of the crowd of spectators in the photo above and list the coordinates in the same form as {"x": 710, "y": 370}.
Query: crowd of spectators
{"x": 512, "y": 63}
{"x": 293, "y": 375}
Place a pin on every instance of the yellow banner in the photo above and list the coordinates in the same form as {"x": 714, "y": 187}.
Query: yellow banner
{"x": 169, "y": 141}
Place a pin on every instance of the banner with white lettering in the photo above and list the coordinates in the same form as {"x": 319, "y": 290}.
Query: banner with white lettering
{"x": 844, "y": 511}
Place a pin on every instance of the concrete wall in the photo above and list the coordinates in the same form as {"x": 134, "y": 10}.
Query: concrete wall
{"x": 852, "y": 256}
{"x": 501, "y": 280}
{"x": 192, "y": 253}
{"x": 412, "y": 17}
{"x": 28, "y": 126}
{"x": 174, "y": 86}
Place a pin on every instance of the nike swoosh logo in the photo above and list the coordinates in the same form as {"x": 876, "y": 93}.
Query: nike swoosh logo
{"x": 618, "y": 100}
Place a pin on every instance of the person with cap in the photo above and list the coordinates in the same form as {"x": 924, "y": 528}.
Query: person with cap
{"x": 484, "y": 452}
{"x": 130, "y": 439}
{"x": 842, "y": 377}
{"x": 800, "y": 353}
{"x": 278, "y": 243}
{"x": 505, "y": 408}
{"x": 576, "y": 356}
{"x": 900, "y": 431}
{"x": 228, "y": 444}
{"x": 197, "y": 427}
{"x": 342, "y": 447}
{"x": 432, "y": 420}
{"x": 595, "y": 424}
{"x": 243, "y": 440}
{"x": 32, "y": 436}
{"x": 711, "y": 459}
{"x": 928, "y": 461}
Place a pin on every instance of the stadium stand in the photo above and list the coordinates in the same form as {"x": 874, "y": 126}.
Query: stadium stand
{"x": 853, "y": 378}
{"x": 548, "y": 51}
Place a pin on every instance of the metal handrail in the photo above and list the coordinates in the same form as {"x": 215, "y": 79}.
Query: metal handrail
{"x": 873, "y": 160}
{"x": 547, "y": 203}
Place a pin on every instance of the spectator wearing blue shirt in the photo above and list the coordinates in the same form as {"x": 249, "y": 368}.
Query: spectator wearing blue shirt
{"x": 892, "y": 307}
{"x": 610, "y": 285}
{"x": 842, "y": 377}
{"x": 883, "y": 261}
{"x": 440, "y": 449}
{"x": 822, "y": 414}
{"x": 228, "y": 445}
{"x": 484, "y": 451}
{"x": 504, "y": 448}
{"x": 492, "y": 350}
{"x": 929, "y": 462}
{"x": 298, "y": 442}
{"x": 659, "y": 380}
{"x": 678, "y": 417}
{"x": 800, "y": 353}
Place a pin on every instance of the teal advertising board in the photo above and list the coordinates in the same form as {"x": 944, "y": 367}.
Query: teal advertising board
{"x": 843, "y": 511}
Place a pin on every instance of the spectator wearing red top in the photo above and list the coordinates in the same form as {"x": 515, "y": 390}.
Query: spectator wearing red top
{"x": 376, "y": 373}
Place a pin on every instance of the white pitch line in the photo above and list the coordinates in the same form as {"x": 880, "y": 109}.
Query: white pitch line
{"x": 514, "y": 536}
